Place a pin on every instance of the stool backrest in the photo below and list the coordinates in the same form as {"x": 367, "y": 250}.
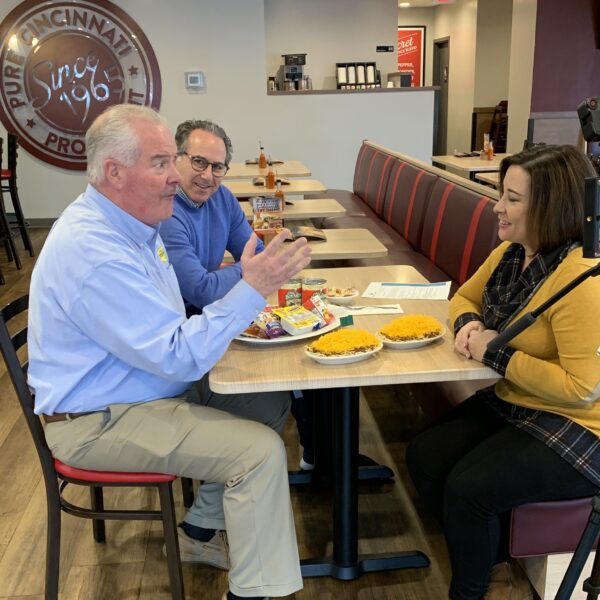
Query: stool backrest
{"x": 12, "y": 146}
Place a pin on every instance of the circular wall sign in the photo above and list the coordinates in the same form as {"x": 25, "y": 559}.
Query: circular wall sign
{"x": 65, "y": 62}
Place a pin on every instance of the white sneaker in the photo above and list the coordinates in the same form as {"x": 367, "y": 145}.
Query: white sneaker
{"x": 215, "y": 552}
{"x": 306, "y": 466}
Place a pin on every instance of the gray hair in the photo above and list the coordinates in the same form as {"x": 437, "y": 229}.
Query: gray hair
{"x": 112, "y": 135}
{"x": 184, "y": 129}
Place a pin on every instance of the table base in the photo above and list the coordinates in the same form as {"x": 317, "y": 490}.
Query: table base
{"x": 322, "y": 420}
{"x": 366, "y": 563}
{"x": 346, "y": 563}
{"x": 373, "y": 473}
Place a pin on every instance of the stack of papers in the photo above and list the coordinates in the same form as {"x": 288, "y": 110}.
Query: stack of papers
{"x": 408, "y": 291}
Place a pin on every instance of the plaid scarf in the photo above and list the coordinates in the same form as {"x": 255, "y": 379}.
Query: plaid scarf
{"x": 509, "y": 289}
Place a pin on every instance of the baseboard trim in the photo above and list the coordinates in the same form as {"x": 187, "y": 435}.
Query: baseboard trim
{"x": 41, "y": 223}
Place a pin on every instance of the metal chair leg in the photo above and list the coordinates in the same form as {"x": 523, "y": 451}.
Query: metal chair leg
{"x": 97, "y": 500}
{"x": 187, "y": 489}
{"x": 52, "y": 546}
{"x": 167, "y": 507}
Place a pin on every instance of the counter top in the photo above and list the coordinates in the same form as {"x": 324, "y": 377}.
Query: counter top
{"x": 434, "y": 88}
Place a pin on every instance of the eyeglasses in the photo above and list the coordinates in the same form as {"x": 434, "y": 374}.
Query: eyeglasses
{"x": 200, "y": 164}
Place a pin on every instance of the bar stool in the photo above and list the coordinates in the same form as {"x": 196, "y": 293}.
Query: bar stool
{"x": 9, "y": 184}
{"x": 6, "y": 234}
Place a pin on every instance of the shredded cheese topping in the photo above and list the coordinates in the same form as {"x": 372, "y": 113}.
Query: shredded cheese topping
{"x": 411, "y": 327}
{"x": 344, "y": 341}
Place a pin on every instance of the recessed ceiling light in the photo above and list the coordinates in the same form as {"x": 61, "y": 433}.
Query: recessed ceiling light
{"x": 404, "y": 4}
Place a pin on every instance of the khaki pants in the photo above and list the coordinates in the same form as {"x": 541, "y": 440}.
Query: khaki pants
{"x": 201, "y": 436}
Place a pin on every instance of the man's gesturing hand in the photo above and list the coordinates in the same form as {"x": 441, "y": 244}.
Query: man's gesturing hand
{"x": 267, "y": 271}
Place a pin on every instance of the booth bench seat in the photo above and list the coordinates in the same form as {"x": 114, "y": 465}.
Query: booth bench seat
{"x": 441, "y": 224}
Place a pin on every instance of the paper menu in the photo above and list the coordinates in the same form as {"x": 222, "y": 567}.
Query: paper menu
{"x": 408, "y": 291}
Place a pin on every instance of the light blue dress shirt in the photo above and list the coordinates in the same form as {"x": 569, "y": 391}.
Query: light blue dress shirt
{"x": 107, "y": 322}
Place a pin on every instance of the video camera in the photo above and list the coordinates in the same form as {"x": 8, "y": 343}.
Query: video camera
{"x": 589, "y": 118}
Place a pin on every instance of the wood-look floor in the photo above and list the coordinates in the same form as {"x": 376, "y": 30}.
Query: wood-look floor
{"x": 130, "y": 564}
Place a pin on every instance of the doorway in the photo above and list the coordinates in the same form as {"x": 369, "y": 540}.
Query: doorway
{"x": 441, "y": 78}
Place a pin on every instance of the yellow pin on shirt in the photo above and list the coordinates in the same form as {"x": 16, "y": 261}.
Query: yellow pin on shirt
{"x": 162, "y": 254}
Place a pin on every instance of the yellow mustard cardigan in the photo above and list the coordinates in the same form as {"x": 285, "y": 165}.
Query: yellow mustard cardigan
{"x": 555, "y": 367}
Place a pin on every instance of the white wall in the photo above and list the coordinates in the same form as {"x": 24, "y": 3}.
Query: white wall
{"x": 492, "y": 58}
{"x": 484, "y": 57}
{"x": 459, "y": 22}
{"x": 421, "y": 16}
{"x": 521, "y": 71}
{"x": 331, "y": 31}
{"x": 226, "y": 40}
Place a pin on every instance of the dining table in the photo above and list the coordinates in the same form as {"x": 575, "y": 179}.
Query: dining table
{"x": 284, "y": 365}
{"x": 305, "y": 208}
{"x": 467, "y": 166}
{"x": 492, "y": 178}
{"x": 286, "y": 168}
{"x": 246, "y": 188}
{"x": 342, "y": 244}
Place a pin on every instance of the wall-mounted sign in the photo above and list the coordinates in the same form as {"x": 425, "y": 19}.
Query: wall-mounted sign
{"x": 411, "y": 52}
{"x": 65, "y": 62}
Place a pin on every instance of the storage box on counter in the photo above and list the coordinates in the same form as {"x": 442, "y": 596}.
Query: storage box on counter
{"x": 267, "y": 213}
{"x": 357, "y": 75}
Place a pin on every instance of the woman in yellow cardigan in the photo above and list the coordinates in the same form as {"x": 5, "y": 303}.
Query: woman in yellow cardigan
{"x": 535, "y": 435}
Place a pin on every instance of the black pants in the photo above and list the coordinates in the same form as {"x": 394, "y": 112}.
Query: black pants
{"x": 471, "y": 469}
{"x": 302, "y": 410}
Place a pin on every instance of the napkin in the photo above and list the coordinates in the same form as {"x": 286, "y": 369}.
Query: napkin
{"x": 384, "y": 309}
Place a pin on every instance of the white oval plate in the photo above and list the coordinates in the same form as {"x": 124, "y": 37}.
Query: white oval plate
{"x": 341, "y": 300}
{"x": 405, "y": 345}
{"x": 284, "y": 339}
{"x": 344, "y": 359}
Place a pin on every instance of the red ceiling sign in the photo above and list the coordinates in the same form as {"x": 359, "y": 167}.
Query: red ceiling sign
{"x": 65, "y": 62}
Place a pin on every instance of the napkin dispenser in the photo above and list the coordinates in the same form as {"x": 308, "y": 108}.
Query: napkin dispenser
{"x": 400, "y": 79}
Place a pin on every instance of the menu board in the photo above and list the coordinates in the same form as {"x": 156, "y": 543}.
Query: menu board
{"x": 411, "y": 52}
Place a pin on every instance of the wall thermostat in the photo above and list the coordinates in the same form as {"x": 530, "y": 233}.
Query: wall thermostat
{"x": 194, "y": 81}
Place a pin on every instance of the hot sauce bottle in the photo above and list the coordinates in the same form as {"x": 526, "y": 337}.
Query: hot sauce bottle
{"x": 270, "y": 178}
{"x": 279, "y": 191}
{"x": 262, "y": 159}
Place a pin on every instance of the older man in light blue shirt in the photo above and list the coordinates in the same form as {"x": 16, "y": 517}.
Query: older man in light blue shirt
{"x": 113, "y": 359}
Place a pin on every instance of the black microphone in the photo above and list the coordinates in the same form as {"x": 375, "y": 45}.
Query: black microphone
{"x": 510, "y": 332}
{"x": 528, "y": 319}
{"x": 591, "y": 218}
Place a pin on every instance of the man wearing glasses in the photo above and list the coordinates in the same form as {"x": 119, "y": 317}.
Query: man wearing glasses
{"x": 207, "y": 218}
